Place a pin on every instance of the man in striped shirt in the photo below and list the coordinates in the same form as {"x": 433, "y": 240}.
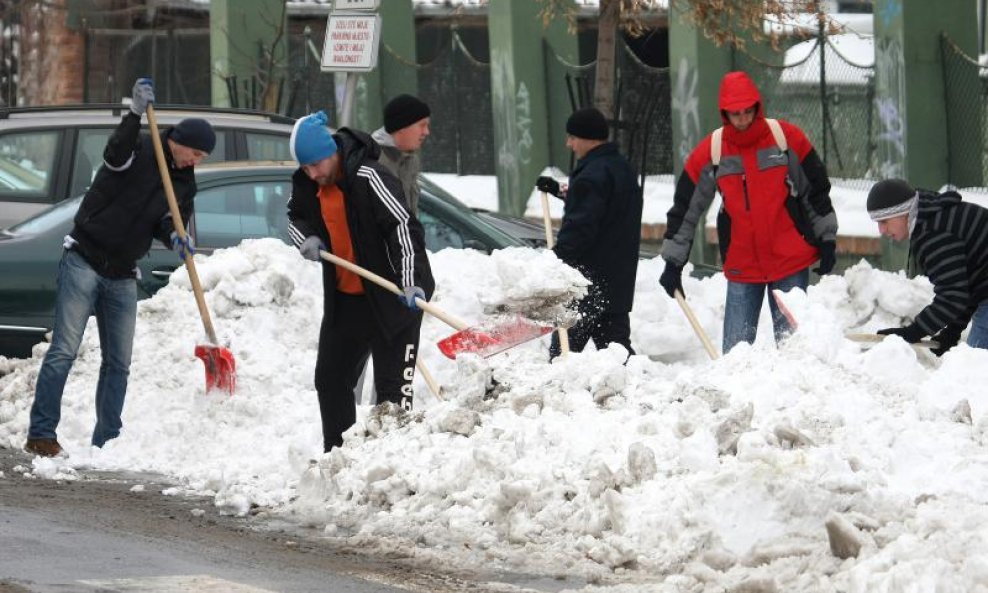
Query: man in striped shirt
{"x": 949, "y": 243}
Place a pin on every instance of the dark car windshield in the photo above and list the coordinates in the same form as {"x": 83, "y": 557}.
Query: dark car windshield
{"x": 49, "y": 219}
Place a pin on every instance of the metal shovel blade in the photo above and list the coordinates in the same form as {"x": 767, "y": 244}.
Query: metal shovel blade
{"x": 492, "y": 337}
{"x": 221, "y": 367}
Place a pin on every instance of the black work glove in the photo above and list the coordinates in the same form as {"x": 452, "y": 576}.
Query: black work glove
{"x": 909, "y": 333}
{"x": 947, "y": 338}
{"x": 672, "y": 279}
{"x": 828, "y": 258}
{"x": 548, "y": 185}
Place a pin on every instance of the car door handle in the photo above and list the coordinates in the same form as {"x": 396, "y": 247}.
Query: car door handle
{"x": 162, "y": 272}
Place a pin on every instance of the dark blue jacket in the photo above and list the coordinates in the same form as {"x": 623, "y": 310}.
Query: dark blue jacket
{"x": 601, "y": 229}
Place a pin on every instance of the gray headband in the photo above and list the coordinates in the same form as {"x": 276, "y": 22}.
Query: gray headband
{"x": 905, "y": 207}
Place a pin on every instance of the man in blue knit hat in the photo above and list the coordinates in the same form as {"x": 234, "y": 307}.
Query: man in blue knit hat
{"x": 344, "y": 201}
{"x": 122, "y": 212}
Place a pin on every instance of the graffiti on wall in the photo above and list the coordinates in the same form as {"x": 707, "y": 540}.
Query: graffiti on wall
{"x": 505, "y": 134}
{"x": 686, "y": 105}
{"x": 523, "y": 124}
{"x": 888, "y": 11}
{"x": 891, "y": 107}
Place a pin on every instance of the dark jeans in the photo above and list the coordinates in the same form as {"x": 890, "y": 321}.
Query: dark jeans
{"x": 744, "y": 305}
{"x": 345, "y": 342}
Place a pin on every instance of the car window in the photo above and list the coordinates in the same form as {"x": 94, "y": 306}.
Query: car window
{"x": 267, "y": 147}
{"x": 47, "y": 219}
{"x": 438, "y": 234}
{"x": 25, "y": 161}
{"x": 88, "y": 158}
{"x": 226, "y": 215}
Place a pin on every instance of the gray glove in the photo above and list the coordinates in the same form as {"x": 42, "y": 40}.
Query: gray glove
{"x": 311, "y": 247}
{"x": 410, "y": 294}
{"x": 141, "y": 95}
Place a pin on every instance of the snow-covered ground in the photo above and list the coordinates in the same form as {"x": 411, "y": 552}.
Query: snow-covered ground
{"x": 671, "y": 473}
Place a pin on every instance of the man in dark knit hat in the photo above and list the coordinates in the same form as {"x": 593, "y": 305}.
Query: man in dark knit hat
{"x": 600, "y": 233}
{"x": 406, "y": 126}
{"x": 949, "y": 243}
{"x": 123, "y": 211}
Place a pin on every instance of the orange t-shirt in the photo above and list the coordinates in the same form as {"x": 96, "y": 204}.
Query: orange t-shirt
{"x": 333, "y": 210}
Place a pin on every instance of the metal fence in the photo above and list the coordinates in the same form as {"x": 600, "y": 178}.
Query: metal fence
{"x": 965, "y": 87}
{"x": 829, "y": 96}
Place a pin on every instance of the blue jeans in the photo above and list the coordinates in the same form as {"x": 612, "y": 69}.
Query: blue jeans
{"x": 744, "y": 304}
{"x": 978, "y": 336}
{"x": 82, "y": 291}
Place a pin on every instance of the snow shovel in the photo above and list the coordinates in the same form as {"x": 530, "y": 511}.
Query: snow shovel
{"x": 549, "y": 241}
{"x": 484, "y": 340}
{"x": 221, "y": 367}
{"x": 875, "y": 338}
{"x": 707, "y": 344}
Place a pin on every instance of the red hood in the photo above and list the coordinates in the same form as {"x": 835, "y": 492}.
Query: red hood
{"x": 737, "y": 92}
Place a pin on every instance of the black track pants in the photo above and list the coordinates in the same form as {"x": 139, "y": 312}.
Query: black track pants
{"x": 345, "y": 341}
{"x": 602, "y": 328}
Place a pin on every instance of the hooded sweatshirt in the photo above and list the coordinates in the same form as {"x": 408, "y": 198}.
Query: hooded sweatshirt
{"x": 776, "y": 204}
{"x": 403, "y": 165}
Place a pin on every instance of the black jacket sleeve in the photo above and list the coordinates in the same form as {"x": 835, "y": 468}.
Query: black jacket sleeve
{"x": 941, "y": 255}
{"x": 585, "y": 208}
{"x": 816, "y": 173}
{"x": 300, "y": 226}
{"x": 120, "y": 148}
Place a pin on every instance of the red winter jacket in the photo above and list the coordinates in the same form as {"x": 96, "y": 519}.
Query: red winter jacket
{"x": 777, "y": 204}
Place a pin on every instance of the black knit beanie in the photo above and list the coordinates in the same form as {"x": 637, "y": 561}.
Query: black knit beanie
{"x": 195, "y": 133}
{"x": 588, "y": 124}
{"x": 889, "y": 198}
{"x": 403, "y": 111}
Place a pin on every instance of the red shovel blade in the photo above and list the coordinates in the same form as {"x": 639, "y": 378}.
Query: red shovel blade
{"x": 221, "y": 367}
{"x": 491, "y": 338}
{"x": 777, "y": 294}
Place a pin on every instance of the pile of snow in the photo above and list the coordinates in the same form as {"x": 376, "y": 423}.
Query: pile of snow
{"x": 668, "y": 473}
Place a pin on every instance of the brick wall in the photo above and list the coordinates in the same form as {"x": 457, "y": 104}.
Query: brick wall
{"x": 51, "y": 56}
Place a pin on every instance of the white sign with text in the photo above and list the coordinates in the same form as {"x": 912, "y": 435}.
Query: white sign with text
{"x": 351, "y": 42}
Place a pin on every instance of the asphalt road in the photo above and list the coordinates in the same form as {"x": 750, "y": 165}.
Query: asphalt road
{"x": 95, "y": 534}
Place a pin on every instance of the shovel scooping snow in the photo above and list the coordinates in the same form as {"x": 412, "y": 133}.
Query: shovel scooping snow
{"x": 488, "y": 339}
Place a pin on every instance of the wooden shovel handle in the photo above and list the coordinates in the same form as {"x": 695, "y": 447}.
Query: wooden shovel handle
{"x": 455, "y": 323}
{"x": 707, "y": 344}
{"x": 874, "y": 338}
{"x": 190, "y": 265}
{"x": 549, "y": 241}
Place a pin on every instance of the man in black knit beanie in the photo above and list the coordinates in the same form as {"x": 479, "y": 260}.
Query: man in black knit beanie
{"x": 949, "y": 242}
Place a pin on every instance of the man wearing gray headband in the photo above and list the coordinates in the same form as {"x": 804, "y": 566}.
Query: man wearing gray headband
{"x": 949, "y": 243}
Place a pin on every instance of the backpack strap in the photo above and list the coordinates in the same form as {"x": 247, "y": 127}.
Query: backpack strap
{"x": 780, "y": 138}
{"x": 715, "y": 145}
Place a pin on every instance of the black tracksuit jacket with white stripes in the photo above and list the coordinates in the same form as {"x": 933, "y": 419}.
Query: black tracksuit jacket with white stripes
{"x": 387, "y": 240}
{"x": 950, "y": 245}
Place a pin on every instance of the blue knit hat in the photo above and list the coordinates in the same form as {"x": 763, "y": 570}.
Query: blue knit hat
{"x": 311, "y": 140}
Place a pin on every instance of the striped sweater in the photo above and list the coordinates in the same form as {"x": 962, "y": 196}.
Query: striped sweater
{"x": 950, "y": 245}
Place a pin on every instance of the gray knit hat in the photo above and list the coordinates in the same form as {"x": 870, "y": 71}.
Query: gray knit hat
{"x": 890, "y": 198}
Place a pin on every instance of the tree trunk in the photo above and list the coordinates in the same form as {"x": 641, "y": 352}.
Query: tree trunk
{"x": 607, "y": 25}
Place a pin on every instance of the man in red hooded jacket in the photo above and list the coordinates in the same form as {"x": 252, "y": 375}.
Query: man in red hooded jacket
{"x": 776, "y": 218}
